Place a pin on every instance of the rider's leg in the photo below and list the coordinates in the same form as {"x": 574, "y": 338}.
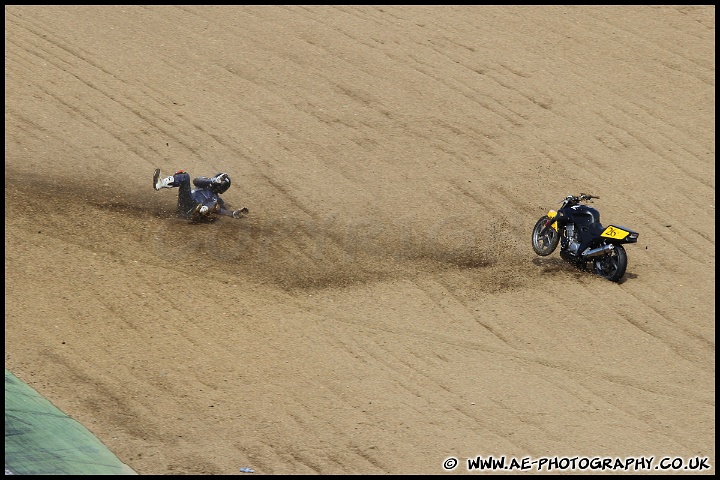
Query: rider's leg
{"x": 186, "y": 207}
{"x": 186, "y": 204}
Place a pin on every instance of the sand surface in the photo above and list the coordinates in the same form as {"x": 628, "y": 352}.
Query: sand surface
{"x": 381, "y": 309}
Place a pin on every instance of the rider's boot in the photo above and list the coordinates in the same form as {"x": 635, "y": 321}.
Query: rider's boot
{"x": 158, "y": 183}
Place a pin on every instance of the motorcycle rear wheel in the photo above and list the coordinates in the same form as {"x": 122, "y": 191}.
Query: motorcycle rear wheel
{"x": 612, "y": 265}
{"x": 545, "y": 244}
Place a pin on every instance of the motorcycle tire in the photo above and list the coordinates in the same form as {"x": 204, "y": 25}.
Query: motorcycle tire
{"x": 546, "y": 244}
{"x": 611, "y": 265}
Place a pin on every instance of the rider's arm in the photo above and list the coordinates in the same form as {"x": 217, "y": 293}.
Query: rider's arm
{"x": 202, "y": 182}
{"x": 233, "y": 213}
{"x": 223, "y": 207}
{"x": 226, "y": 212}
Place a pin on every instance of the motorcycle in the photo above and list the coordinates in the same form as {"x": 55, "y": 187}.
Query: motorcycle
{"x": 583, "y": 239}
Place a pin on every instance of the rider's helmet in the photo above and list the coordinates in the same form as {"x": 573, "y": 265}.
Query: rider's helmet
{"x": 220, "y": 183}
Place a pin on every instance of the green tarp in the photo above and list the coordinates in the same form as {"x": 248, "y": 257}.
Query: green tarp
{"x": 41, "y": 440}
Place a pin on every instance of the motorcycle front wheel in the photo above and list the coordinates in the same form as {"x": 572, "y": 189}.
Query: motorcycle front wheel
{"x": 546, "y": 243}
{"x": 612, "y": 265}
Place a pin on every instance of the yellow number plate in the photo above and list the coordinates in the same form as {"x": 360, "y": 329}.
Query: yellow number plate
{"x": 615, "y": 232}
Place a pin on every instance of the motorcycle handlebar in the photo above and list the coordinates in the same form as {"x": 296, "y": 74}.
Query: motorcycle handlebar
{"x": 586, "y": 196}
{"x": 572, "y": 199}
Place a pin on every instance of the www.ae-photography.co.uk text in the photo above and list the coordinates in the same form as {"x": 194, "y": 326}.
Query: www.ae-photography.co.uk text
{"x": 582, "y": 464}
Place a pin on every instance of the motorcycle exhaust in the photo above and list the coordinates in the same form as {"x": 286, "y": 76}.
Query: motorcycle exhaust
{"x": 598, "y": 251}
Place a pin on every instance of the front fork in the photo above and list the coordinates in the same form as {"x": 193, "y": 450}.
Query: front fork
{"x": 552, "y": 214}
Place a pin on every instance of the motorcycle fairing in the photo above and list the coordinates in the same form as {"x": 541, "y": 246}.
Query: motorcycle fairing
{"x": 553, "y": 214}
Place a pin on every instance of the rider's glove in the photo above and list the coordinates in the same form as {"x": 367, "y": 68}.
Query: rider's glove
{"x": 239, "y": 213}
